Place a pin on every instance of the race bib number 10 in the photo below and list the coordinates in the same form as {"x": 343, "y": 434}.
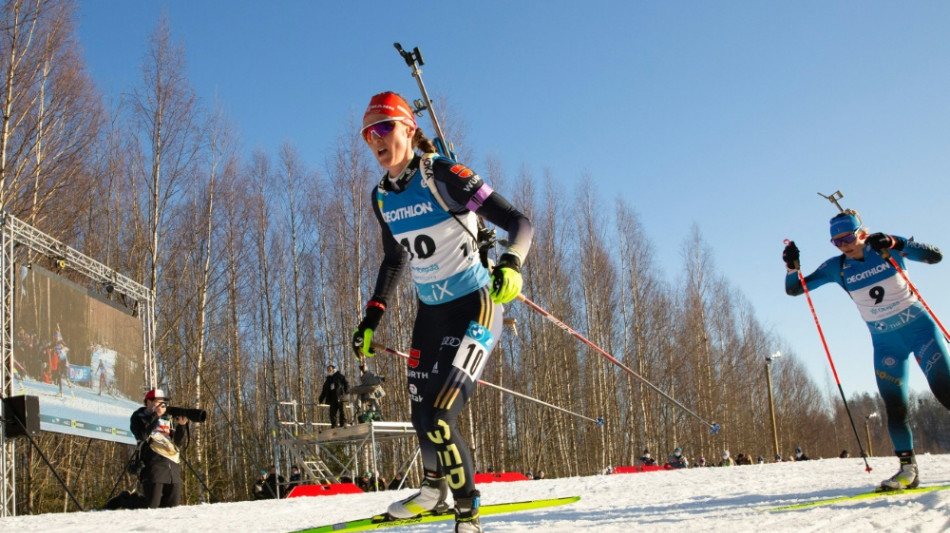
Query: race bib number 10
{"x": 473, "y": 351}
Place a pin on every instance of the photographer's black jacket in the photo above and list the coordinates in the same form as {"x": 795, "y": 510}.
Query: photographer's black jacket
{"x": 158, "y": 468}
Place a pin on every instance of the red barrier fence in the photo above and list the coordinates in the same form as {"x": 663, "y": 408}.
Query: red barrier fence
{"x": 638, "y": 469}
{"x": 324, "y": 490}
{"x": 494, "y": 477}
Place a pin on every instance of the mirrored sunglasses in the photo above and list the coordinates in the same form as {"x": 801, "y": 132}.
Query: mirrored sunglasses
{"x": 847, "y": 239}
{"x": 380, "y": 130}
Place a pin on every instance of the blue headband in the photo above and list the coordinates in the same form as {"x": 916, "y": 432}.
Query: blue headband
{"x": 845, "y": 224}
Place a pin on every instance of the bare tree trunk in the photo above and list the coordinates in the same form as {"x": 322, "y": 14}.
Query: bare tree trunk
{"x": 23, "y": 17}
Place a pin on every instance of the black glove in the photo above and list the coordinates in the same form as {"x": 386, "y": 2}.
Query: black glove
{"x": 790, "y": 256}
{"x": 881, "y": 241}
{"x": 363, "y": 336}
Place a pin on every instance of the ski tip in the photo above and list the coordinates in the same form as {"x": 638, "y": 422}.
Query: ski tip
{"x": 600, "y": 421}
{"x": 714, "y": 429}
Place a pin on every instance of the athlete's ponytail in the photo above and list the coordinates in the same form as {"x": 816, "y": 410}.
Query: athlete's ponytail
{"x": 420, "y": 141}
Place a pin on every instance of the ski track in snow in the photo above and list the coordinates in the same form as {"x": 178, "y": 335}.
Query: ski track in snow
{"x": 726, "y": 500}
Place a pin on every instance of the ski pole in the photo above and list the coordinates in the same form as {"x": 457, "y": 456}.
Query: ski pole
{"x": 414, "y": 60}
{"x": 599, "y": 421}
{"x": 887, "y": 256}
{"x": 713, "y": 428}
{"x": 821, "y": 334}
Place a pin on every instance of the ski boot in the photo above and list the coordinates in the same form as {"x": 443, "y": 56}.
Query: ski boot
{"x": 466, "y": 514}
{"x": 906, "y": 477}
{"x": 431, "y": 497}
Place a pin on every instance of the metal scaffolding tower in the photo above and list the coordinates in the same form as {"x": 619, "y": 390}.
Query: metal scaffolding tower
{"x": 319, "y": 450}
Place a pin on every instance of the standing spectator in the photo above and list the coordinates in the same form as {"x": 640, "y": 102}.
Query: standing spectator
{"x": 760, "y": 460}
{"x": 743, "y": 459}
{"x": 540, "y": 475}
{"x": 647, "y": 459}
{"x": 294, "y": 478}
{"x": 899, "y": 323}
{"x": 396, "y": 482}
{"x": 428, "y": 209}
{"x": 370, "y": 483}
{"x": 726, "y": 459}
{"x": 778, "y": 458}
{"x": 159, "y": 442}
{"x": 800, "y": 455}
{"x": 274, "y": 484}
{"x": 677, "y": 459}
{"x": 844, "y": 454}
{"x": 701, "y": 462}
{"x": 259, "y": 492}
{"x": 333, "y": 394}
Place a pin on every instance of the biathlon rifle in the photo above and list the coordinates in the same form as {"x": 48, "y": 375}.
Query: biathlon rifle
{"x": 833, "y": 198}
{"x": 486, "y": 237}
{"x": 414, "y": 60}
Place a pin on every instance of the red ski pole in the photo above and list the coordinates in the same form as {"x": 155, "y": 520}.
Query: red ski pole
{"x": 713, "y": 427}
{"x": 821, "y": 334}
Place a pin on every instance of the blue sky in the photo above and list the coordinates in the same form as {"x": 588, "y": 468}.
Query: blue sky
{"x": 729, "y": 115}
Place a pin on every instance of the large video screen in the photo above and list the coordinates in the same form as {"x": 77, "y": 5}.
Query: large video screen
{"x": 81, "y": 355}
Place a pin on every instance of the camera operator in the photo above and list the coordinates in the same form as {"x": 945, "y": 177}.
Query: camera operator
{"x": 334, "y": 394}
{"x": 159, "y": 442}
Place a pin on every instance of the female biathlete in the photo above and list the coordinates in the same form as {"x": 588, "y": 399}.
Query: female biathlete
{"x": 898, "y": 322}
{"x": 427, "y": 206}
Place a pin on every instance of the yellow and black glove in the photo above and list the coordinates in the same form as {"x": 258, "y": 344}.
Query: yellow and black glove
{"x": 363, "y": 336}
{"x": 506, "y": 279}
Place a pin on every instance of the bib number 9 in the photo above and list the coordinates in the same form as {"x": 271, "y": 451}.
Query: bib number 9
{"x": 877, "y": 294}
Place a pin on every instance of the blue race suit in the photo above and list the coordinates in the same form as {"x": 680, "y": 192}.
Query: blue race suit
{"x": 898, "y": 322}
{"x": 428, "y": 220}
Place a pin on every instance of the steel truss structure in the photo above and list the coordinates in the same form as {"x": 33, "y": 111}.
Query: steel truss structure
{"x": 320, "y": 452}
{"x": 19, "y": 242}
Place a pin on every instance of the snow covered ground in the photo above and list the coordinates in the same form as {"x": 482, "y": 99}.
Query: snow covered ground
{"x": 708, "y": 500}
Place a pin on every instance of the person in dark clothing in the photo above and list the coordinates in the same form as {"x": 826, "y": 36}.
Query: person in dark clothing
{"x": 647, "y": 459}
{"x": 294, "y": 478}
{"x": 274, "y": 484}
{"x": 677, "y": 459}
{"x": 800, "y": 455}
{"x": 259, "y": 491}
{"x": 396, "y": 482}
{"x": 159, "y": 442}
{"x": 363, "y": 482}
{"x": 333, "y": 394}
